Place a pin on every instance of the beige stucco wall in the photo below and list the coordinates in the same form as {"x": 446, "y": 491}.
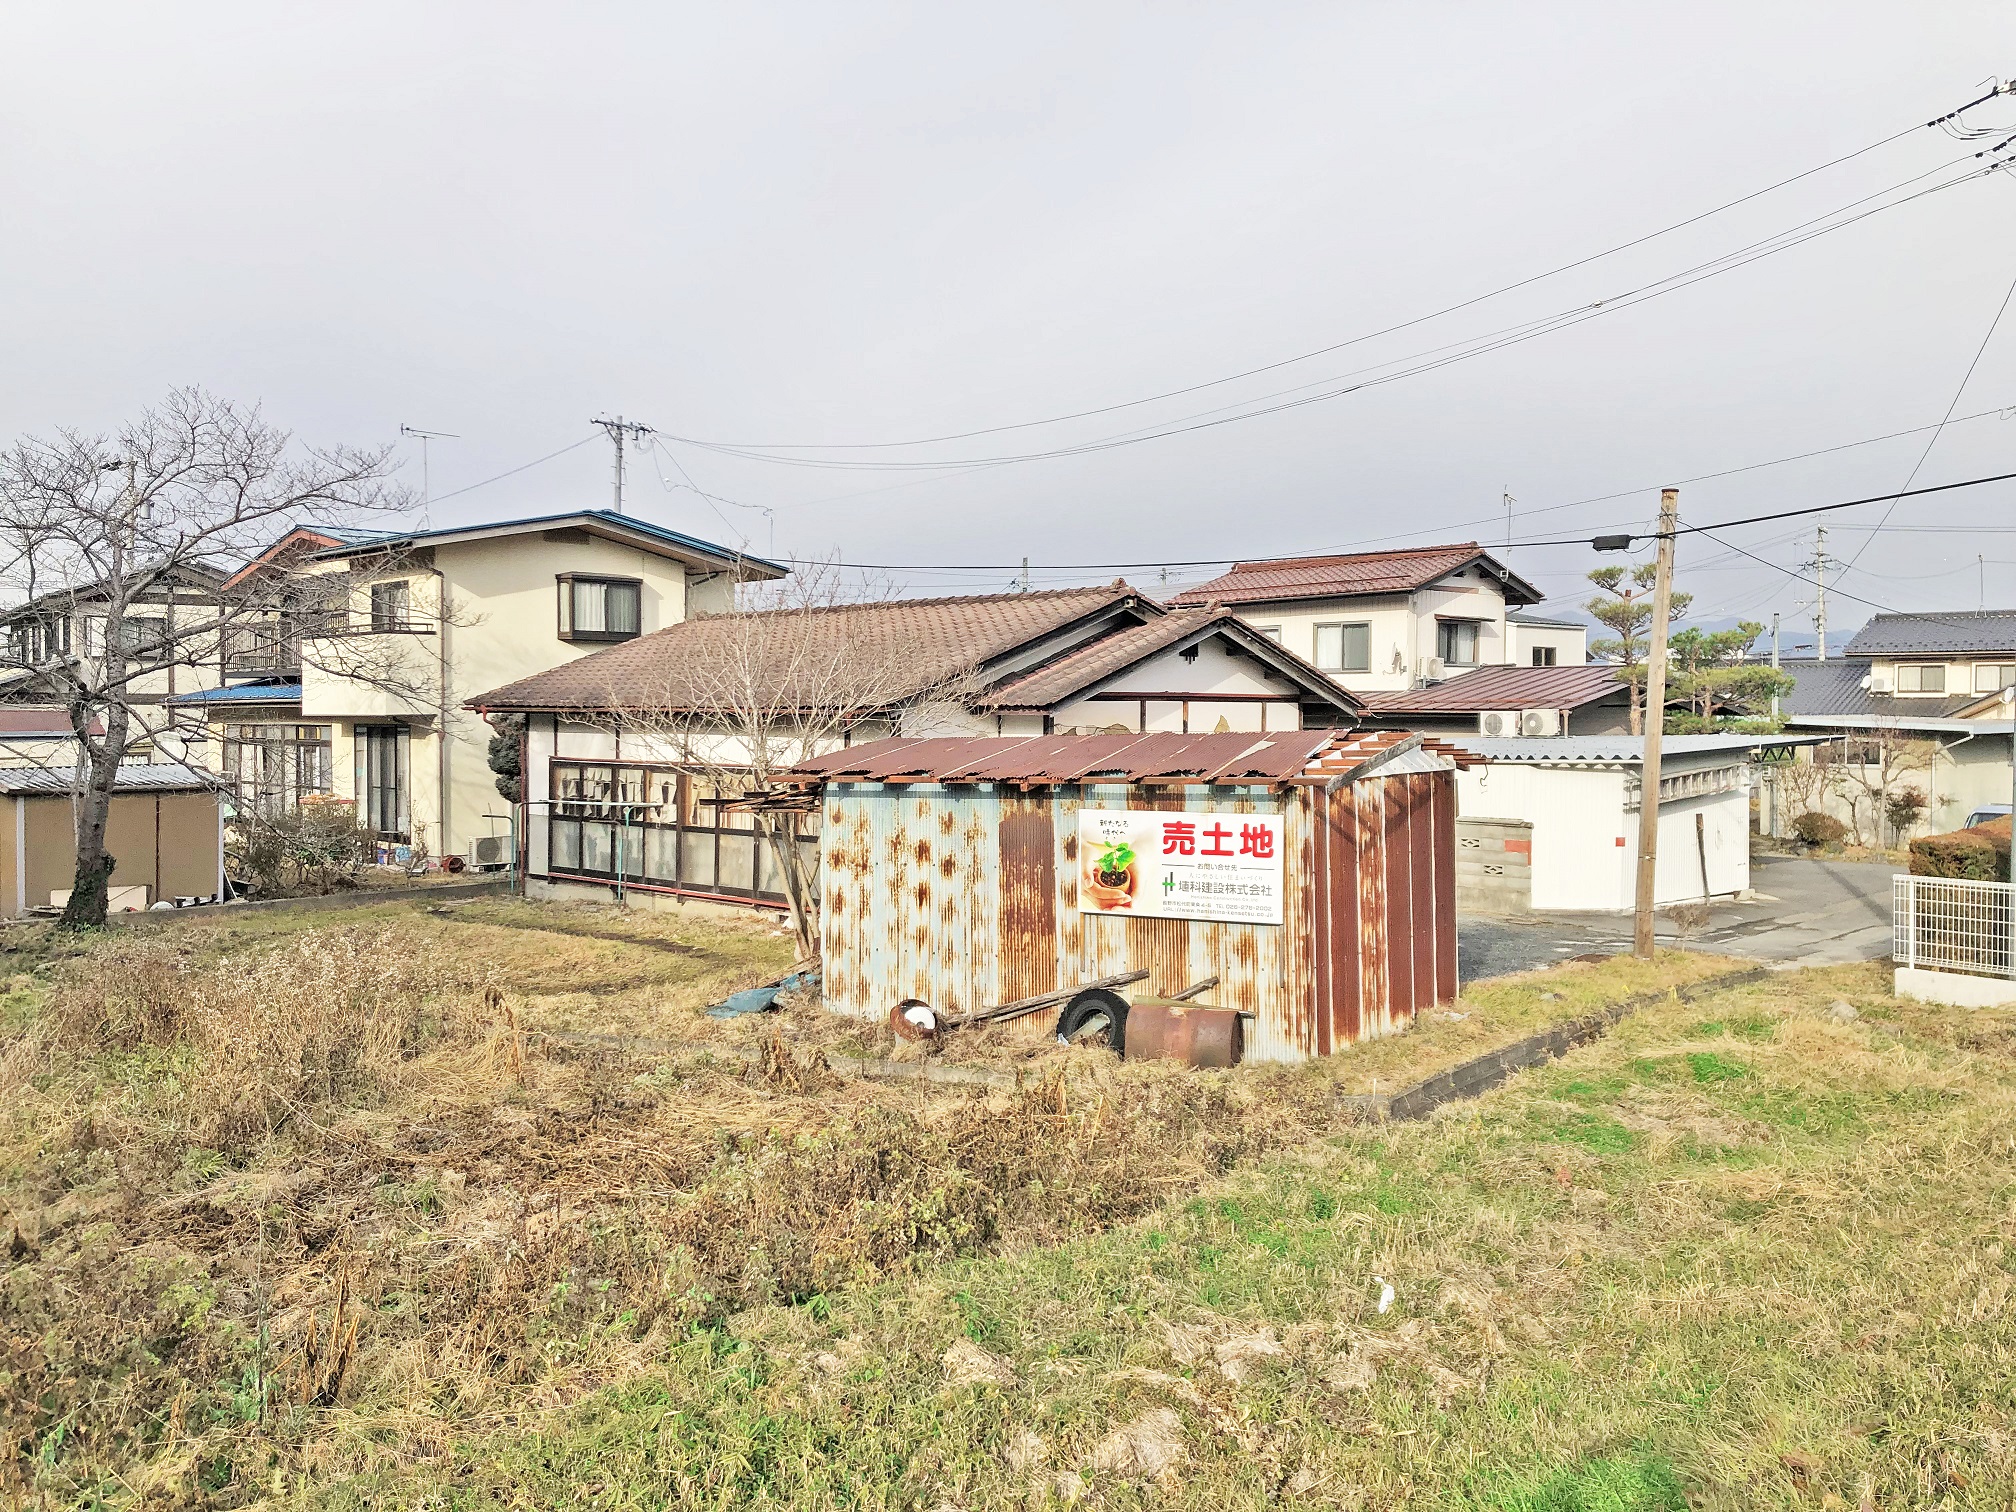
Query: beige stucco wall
{"x": 1402, "y": 628}
{"x": 1571, "y": 647}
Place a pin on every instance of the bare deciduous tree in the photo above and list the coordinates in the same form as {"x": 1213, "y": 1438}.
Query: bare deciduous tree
{"x": 133, "y": 537}
{"x": 798, "y": 668}
{"x": 1873, "y": 772}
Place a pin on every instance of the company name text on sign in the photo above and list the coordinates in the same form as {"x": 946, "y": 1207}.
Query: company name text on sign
{"x": 1158, "y": 865}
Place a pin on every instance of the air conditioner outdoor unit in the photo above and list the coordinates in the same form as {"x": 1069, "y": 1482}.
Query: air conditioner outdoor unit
{"x": 1498, "y": 722}
{"x": 1540, "y": 722}
{"x": 1879, "y": 682}
{"x": 1431, "y": 669}
{"x": 491, "y": 850}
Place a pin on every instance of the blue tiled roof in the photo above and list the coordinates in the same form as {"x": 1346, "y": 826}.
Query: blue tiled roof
{"x": 604, "y": 517}
{"x": 260, "y": 692}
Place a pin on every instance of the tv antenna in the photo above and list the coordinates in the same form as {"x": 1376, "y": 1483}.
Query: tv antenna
{"x": 426, "y": 478}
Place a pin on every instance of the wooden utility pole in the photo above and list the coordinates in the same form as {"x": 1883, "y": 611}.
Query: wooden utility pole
{"x": 1655, "y": 725}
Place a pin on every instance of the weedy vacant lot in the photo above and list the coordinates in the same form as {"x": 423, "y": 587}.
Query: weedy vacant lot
{"x": 345, "y": 1210}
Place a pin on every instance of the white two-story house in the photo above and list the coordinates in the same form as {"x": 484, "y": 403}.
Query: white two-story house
{"x": 1391, "y": 620}
{"x": 351, "y": 685}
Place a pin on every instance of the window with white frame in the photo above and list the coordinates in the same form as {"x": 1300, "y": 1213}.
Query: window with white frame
{"x": 1456, "y": 642}
{"x": 1272, "y": 632}
{"x": 1993, "y": 677}
{"x": 1921, "y": 677}
{"x": 600, "y": 608}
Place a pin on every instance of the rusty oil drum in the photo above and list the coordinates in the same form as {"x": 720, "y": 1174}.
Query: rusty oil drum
{"x": 1194, "y": 1033}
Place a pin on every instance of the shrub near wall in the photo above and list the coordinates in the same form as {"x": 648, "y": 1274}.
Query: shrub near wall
{"x": 1980, "y": 854}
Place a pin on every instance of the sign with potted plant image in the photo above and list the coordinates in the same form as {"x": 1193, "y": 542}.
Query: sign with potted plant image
{"x": 1160, "y": 865}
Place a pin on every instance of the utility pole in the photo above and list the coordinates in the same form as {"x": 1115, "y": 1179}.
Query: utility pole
{"x": 426, "y": 477}
{"x": 1022, "y": 583}
{"x": 1774, "y": 661}
{"x": 618, "y": 429}
{"x": 1820, "y": 564}
{"x": 1655, "y": 726}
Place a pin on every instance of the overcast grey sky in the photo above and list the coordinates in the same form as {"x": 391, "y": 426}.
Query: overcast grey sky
{"x": 847, "y": 224}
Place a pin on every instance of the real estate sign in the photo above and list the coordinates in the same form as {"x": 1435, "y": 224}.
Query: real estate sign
{"x": 1159, "y": 865}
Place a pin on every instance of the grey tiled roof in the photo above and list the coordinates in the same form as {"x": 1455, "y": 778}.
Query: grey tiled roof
{"x": 1950, "y": 633}
{"x": 1834, "y": 688}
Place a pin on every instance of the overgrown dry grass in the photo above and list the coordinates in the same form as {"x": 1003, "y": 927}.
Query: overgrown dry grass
{"x": 309, "y": 1198}
{"x": 1739, "y": 1255}
{"x": 312, "y": 1207}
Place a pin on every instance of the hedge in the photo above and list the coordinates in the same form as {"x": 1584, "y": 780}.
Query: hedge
{"x": 1980, "y": 854}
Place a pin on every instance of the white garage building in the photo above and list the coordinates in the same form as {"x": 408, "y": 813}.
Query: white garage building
{"x": 1569, "y": 807}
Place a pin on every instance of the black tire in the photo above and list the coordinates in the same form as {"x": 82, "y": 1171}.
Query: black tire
{"x": 1082, "y": 1016}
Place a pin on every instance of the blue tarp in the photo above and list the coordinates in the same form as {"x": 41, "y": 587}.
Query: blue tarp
{"x": 763, "y": 999}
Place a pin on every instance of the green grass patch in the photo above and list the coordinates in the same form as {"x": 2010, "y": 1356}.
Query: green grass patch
{"x": 1603, "y": 1485}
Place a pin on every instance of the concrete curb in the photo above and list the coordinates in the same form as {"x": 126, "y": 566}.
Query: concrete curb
{"x": 1473, "y": 1078}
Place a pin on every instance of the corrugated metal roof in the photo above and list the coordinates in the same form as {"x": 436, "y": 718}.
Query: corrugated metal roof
{"x": 1503, "y": 688}
{"x": 1363, "y": 572}
{"x": 1046, "y": 759}
{"x": 161, "y": 777}
{"x": 1074, "y": 672}
{"x": 1613, "y": 750}
{"x": 1521, "y": 617}
{"x": 274, "y": 692}
{"x": 669, "y": 670}
{"x": 1950, "y": 632}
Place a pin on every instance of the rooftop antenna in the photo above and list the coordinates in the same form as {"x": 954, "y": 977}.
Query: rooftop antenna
{"x": 618, "y": 429}
{"x": 1509, "y": 502}
{"x": 426, "y": 479}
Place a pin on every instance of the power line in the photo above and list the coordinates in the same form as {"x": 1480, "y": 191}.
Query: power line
{"x": 500, "y": 477}
{"x": 1422, "y": 362}
{"x": 1933, "y": 439}
{"x": 1781, "y": 514}
{"x": 1370, "y": 335}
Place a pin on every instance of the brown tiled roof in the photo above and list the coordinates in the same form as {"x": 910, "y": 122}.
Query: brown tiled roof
{"x": 1078, "y": 670}
{"x": 941, "y": 638}
{"x": 1045, "y": 759}
{"x": 1356, "y": 573}
{"x": 1501, "y": 688}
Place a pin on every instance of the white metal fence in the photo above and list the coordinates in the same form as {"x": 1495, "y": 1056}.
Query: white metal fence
{"x": 1950, "y": 925}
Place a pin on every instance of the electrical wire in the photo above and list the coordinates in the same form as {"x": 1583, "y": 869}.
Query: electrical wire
{"x": 1108, "y": 409}
{"x": 1633, "y": 538}
{"x": 1933, "y": 440}
{"x": 1809, "y": 230}
{"x": 500, "y": 477}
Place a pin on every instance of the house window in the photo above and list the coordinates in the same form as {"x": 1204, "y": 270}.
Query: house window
{"x": 144, "y": 637}
{"x": 666, "y": 828}
{"x": 1456, "y": 642}
{"x": 1344, "y": 648}
{"x": 599, "y": 608}
{"x": 383, "y": 761}
{"x": 392, "y": 605}
{"x": 272, "y": 767}
{"x": 1272, "y": 632}
{"x": 1921, "y": 677}
{"x": 1543, "y": 656}
{"x": 34, "y": 641}
{"x": 1993, "y": 677}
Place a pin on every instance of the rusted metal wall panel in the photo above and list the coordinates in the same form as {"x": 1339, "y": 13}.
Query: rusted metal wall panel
{"x": 968, "y": 895}
{"x": 1029, "y": 946}
{"x": 1424, "y": 922}
{"x": 1369, "y": 804}
{"x": 1398, "y": 893}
